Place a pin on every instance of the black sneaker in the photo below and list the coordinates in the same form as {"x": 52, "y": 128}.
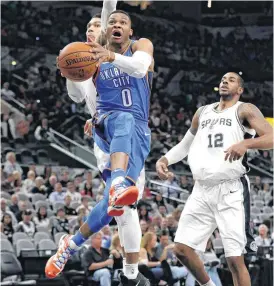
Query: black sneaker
{"x": 141, "y": 280}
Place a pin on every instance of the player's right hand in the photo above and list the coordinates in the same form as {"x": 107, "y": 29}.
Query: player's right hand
{"x": 57, "y": 65}
{"x": 88, "y": 128}
{"x": 162, "y": 170}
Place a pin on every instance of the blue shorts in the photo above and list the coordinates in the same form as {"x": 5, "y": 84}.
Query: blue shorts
{"x": 140, "y": 143}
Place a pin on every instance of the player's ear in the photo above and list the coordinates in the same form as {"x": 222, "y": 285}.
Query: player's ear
{"x": 240, "y": 90}
{"x": 130, "y": 32}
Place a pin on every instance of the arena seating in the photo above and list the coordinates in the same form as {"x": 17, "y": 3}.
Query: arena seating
{"x": 190, "y": 58}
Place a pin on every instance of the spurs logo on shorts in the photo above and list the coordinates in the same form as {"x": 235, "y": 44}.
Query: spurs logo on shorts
{"x": 253, "y": 246}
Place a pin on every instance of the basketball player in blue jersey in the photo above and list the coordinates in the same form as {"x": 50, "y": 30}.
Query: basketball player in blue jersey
{"x": 121, "y": 129}
{"x": 123, "y": 86}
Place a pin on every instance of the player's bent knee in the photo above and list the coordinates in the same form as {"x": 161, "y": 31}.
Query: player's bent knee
{"x": 181, "y": 250}
{"x": 124, "y": 124}
{"x": 235, "y": 263}
{"x": 129, "y": 222}
{"x": 106, "y": 273}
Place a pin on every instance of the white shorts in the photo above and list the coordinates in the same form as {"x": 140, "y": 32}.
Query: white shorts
{"x": 226, "y": 206}
{"x": 103, "y": 159}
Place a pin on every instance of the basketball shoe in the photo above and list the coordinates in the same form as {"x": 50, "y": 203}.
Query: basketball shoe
{"x": 121, "y": 195}
{"x": 140, "y": 280}
{"x": 57, "y": 262}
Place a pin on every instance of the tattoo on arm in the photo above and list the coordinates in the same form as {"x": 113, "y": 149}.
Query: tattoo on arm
{"x": 251, "y": 116}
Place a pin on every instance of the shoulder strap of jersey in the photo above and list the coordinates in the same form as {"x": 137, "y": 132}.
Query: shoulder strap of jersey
{"x": 202, "y": 109}
{"x": 131, "y": 44}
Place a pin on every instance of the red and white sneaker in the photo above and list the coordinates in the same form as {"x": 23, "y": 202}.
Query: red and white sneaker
{"x": 121, "y": 195}
{"x": 57, "y": 262}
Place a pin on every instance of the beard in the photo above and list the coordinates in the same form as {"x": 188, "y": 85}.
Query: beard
{"x": 226, "y": 96}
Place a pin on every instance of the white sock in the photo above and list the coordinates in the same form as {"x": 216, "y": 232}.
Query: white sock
{"x": 124, "y": 265}
{"x": 117, "y": 180}
{"x": 209, "y": 283}
{"x": 131, "y": 271}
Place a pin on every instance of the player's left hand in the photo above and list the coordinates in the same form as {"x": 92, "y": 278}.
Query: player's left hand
{"x": 235, "y": 152}
{"x": 87, "y": 128}
{"x": 100, "y": 53}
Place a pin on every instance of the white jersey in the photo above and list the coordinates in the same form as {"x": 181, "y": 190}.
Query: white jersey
{"x": 217, "y": 131}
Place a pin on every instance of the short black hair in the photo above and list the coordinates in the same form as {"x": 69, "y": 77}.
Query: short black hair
{"x": 122, "y": 12}
{"x": 164, "y": 233}
{"x": 240, "y": 79}
{"x": 97, "y": 15}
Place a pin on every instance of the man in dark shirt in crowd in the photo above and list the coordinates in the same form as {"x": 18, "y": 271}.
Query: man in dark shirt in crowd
{"x": 96, "y": 261}
{"x": 164, "y": 242}
{"x": 14, "y": 205}
{"x": 68, "y": 209}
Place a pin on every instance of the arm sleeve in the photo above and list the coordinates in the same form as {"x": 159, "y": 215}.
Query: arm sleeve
{"x": 108, "y": 7}
{"x": 135, "y": 66}
{"x": 180, "y": 151}
{"x": 86, "y": 90}
{"x": 37, "y": 133}
{"x": 75, "y": 91}
{"x": 12, "y": 128}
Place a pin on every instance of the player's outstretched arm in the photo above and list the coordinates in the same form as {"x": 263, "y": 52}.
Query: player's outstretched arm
{"x": 75, "y": 90}
{"x": 108, "y": 7}
{"x": 250, "y": 114}
{"x": 179, "y": 151}
{"x": 135, "y": 66}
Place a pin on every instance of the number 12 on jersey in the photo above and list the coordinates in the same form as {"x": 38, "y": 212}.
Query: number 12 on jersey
{"x": 126, "y": 97}
{"x": 215, "y": 140}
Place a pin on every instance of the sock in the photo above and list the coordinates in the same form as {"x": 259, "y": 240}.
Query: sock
{"x": 131, "y": 271}
{"x": 124, "y": 265}
{"x": 117, "y": 176}
{"x": 209, "y": 283}
{"x": 78, "y": 238}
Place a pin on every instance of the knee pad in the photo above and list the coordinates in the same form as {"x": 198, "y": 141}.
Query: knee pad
{"x": 124, "y": 124}
{"x": 129, "y": 224}
{"x": 120, "y": 230}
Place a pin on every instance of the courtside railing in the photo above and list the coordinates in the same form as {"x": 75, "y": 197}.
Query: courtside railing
{"x": 81, "y": 153}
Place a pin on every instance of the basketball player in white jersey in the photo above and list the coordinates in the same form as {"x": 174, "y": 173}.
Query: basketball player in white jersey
{"x": 216, "y": 145}
{"x": 128, "y": 223}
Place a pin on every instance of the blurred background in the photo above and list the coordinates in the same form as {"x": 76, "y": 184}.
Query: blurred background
{"x": 49, "y": 178}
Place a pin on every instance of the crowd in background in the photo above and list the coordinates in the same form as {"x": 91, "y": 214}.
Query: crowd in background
{"x": 59, "y": 202}
{"x": 176, "y": 93}
{"x": 187, "y": 57}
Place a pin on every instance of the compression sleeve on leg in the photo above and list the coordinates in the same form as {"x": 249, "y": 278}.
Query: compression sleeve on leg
{"x": 98, "y": 217}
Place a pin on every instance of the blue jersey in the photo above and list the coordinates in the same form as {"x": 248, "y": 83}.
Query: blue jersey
{"x": 119, "y": 91}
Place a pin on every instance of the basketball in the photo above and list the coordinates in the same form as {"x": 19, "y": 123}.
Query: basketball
{"x": 76, "y": 63}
